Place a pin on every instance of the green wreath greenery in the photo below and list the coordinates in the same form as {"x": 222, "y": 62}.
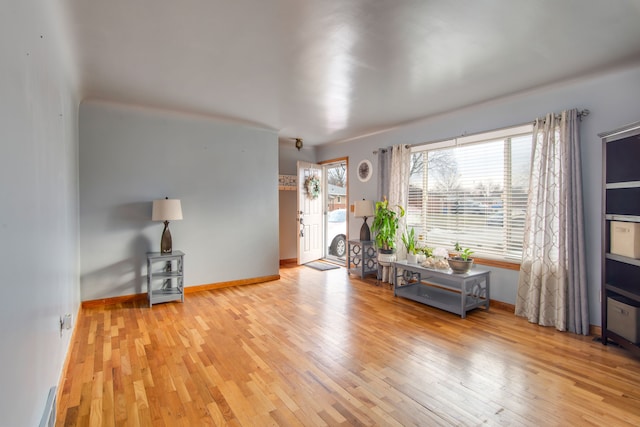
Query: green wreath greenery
{"x": 312, "y": 185}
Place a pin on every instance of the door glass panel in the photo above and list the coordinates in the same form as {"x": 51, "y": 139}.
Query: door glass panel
{"x": 336, "y": 226}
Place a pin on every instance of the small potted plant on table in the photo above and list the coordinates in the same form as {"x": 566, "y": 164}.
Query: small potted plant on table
{"x": 424, "y": 252}
{"x": 409, "y": 240}
{"x": 462, "y": 262}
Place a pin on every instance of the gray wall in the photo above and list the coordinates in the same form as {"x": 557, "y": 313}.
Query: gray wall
{"x": 614, "y": 100}
{"x": 39, "y": 215}
{"x": 225, "y": 174}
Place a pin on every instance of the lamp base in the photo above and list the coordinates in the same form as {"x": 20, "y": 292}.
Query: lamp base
{"x": 365, "y": 233}
{"x": 165, "y": 243}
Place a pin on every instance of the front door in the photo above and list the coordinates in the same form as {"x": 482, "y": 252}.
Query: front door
{"x": 310, "y": 212}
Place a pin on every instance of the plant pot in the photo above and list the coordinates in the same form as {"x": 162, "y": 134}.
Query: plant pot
{"x": 460, "y": 266}
{"x": 412, "y": 258}
{"x": 386, "y": 251}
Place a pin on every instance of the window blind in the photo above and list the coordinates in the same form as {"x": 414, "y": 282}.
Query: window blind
{"x": 473, "y": 191}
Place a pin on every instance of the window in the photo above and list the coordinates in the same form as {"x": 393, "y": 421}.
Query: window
{"x": 472, "y": 190}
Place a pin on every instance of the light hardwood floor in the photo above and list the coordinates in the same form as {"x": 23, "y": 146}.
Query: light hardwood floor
{"x": 319, "y": 348}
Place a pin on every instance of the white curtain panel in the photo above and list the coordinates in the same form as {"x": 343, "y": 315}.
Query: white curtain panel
{"x": 399, "y": 189}
{"x": 552, "y": 288}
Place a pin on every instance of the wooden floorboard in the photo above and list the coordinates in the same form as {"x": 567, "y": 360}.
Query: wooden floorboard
{"x": 318, "y": 348}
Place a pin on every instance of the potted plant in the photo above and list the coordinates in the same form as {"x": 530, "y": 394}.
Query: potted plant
{"x": 457, "y": 248}
{"x": 385, "y": 225}
{"x": 462, "y": 262}
{"x": 424, "y": 253}
{"x": 409, "y": 240}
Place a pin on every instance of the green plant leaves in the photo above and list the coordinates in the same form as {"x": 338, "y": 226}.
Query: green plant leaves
{"x": 385, "y": 224}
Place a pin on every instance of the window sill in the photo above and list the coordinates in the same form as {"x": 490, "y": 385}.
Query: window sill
{"x": 496, "y": 263}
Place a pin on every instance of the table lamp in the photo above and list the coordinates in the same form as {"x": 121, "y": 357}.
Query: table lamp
{"x": 363, "y": 209}
{"x": 166, "y": 210}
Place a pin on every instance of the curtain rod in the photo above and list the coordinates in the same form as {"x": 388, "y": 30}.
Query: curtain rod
{"x": 384, "y": 150}
{"x": 581, "y": 114}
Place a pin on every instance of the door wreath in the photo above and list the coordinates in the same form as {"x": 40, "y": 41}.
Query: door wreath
{"x": 312, "y": 186}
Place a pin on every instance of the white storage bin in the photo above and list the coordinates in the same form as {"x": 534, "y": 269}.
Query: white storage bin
{"x": 623, "y": 318}
{"x": 625, "y": 239}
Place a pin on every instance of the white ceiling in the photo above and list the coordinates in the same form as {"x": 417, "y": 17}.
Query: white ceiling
{"x": 329, "y": 70}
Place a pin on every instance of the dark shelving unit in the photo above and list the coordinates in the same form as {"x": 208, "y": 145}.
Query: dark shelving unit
{"x": 620, "y": 202}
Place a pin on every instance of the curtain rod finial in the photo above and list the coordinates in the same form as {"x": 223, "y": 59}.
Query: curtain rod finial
{"x": 583, "y": 113}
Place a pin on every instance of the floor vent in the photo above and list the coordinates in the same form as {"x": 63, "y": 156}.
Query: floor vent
{"x": 49, "y": 416}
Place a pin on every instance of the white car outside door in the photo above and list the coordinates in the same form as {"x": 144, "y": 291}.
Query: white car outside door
{"x": 336, "y": 232}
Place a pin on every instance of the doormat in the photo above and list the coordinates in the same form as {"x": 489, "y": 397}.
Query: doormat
{"x": 322, "y": 266}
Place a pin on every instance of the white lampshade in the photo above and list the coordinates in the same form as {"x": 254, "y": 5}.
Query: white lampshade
{"x": 166, "y": 210}
{"x": 363, "y": 208}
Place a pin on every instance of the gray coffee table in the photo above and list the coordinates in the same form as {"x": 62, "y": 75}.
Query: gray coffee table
{"x": 456, "y": 293}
